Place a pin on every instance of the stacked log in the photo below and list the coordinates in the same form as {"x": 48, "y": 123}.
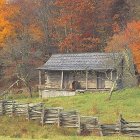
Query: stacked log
{"x": 20, "y": 109}
{"x": 90, "y": 124}
{"x": 2, "y": 107}
{"x": 110, "y": 129}
{"x": 9, "y": 107}
{"x": 51, "y": 115}
{"x": 70, "y": 119}
{"x": 130, "y": 128}
{"x": 34, "y": 111}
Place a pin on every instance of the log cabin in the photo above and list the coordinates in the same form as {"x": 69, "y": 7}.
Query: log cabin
{"x": 87, "y": 71}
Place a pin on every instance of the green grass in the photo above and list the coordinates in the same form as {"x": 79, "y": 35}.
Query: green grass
{"x": 126, "y": 102}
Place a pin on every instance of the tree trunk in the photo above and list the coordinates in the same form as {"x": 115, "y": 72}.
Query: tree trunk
{"x": 30, "y": 91}
{"x": 111, "y": 90}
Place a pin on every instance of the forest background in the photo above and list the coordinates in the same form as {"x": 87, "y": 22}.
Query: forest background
{"x": 32, "y": 30}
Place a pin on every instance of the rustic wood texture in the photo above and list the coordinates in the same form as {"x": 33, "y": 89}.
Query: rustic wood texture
{"x": 35, "y": 111}
{"x": 130, "y": 128}
{"x": 90, "y": 124}
{"x": 86, "y": 79}
{"x": 51, "y": 115}
{"x": 68, "y": 119}
{"x": 110, "y": 129}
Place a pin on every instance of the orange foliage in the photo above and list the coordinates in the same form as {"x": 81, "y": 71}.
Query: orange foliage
{"x": 75, "y": 18}
{"x": 7, "y": 13}
{"x": 130, "y": 37}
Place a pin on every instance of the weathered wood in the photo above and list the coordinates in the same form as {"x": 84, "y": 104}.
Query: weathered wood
{"x": 51, "y": 116}
{"x": 28, "y": 112}
{"x": 40, "y": 83}
{"x": 86, "y": 79}
{"x": 69, "y": 119}
{"x": 62, "y": 77}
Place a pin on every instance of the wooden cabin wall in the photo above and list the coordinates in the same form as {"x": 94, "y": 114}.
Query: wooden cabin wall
{"x": 92, "y": 80}
{"x": 70, "y": 77}
{"x": 53, "y": 79}
{"x": 80, "y": 76}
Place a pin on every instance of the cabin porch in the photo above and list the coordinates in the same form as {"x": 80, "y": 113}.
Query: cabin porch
{"x": 76, "y": 80}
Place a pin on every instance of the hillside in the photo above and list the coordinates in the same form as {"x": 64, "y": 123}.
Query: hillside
{"x": 125, "y": 102}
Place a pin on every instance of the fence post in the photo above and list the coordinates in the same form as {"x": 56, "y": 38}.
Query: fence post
{"x": 100, "y": 129}
{"x": 58, "y": 117}
{"x": 13, "y": 108}
{"x": 2, "y": 107}
{"x": 120, "y": 124}
{"x": 28, "y": 112}
{"x": 43, "y": 116}
{"x": 79, "y": 125}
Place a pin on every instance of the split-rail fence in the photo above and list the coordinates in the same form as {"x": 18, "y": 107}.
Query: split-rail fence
{"x": 68, "y": 119}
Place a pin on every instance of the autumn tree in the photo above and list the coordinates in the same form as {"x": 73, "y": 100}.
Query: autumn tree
{"x": 130, "y": 38}
{"x": 74, "y": 25}
{"x": 86, "y": 25}
{"x": 20, "y": 52}
{"x": 7, "y": 12}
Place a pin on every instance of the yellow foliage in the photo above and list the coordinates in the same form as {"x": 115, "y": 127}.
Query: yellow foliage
{"x": 130, "y": 37}
{"x": 7, "y": 12}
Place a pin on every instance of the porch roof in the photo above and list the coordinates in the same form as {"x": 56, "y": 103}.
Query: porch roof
{"x": 82, "y": 61}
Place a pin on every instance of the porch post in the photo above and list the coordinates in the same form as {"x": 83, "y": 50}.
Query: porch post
{"x": 86, "y": 79}
{"x": 62, "y": 77}
{"x": 40, "y": 83}
{"x": 111, "y": 75}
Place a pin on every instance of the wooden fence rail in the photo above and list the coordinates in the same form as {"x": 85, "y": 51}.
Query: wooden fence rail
{"x": 69, "y": 119}
{"x": 90, "y": 124}
{"x": 51, "y": 115}
{"x": 34, "y": 111}
{"x": 110, "y": 129}
{"x": 130, "y": 128}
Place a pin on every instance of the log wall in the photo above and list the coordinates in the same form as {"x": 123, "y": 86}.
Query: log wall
{"x": 53, "y": 80}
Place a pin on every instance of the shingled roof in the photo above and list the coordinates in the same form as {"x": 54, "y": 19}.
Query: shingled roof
{"x": 82, "y": 61}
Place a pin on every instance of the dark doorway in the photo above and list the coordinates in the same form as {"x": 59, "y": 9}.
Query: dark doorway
{"x": 100, "y": 80}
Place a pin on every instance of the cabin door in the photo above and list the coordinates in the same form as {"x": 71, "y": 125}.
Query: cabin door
{"x": 100, "y": 80}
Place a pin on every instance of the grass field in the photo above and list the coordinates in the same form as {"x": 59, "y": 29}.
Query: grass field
{"x": 126, "y": 102}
